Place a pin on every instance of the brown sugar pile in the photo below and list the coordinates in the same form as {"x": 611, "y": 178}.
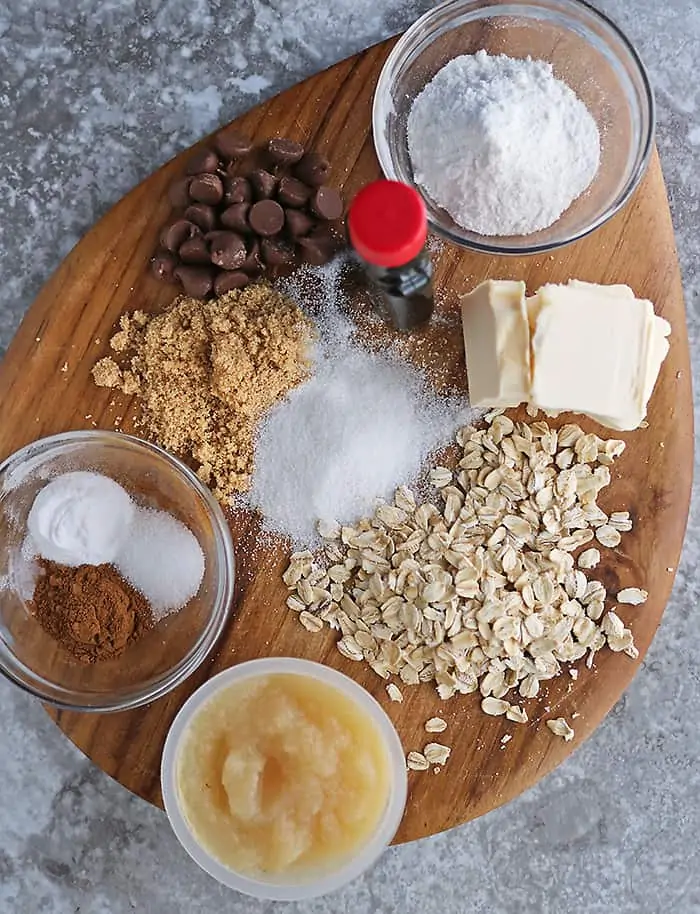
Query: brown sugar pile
{"x": 206, "y": 371}
{"x": 90, "y": 610}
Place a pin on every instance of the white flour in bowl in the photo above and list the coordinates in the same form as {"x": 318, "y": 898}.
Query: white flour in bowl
{"x": 501, "y": 144}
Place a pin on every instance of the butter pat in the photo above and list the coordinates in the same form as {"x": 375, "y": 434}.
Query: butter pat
{"x": 497, "y": 343}
{"x": 583, "y": 348}
{"x": 589, "y": 354}
{"x": 616, "y": 289}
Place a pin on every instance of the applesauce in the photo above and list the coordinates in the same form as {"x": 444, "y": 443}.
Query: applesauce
{"x": 282, "y": 775}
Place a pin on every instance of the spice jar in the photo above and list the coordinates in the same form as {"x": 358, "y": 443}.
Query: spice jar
{"x": 388, "y": 227}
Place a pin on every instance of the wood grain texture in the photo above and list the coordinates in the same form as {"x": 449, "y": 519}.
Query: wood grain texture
{"x": 106, "y": 274}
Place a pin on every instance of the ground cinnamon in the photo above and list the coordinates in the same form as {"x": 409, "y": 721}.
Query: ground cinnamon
{"x": 90, "y": 610}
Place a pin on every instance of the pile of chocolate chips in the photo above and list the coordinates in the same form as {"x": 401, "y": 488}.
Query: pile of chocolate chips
{"x": 247, "y": 212}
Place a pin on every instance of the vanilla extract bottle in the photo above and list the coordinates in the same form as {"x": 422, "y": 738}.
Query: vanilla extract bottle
{"x": 388, "y": 228}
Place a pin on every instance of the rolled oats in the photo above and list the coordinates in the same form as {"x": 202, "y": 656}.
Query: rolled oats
{"x": 494, "y": 706}
{"x": 394, "y": 692}
{"x": 634, "y": 596}
{"x": 416, "y": 761}
{"x": 517, "y": 715}
{"x": 440, "y": 477}
{"x": 482, "y": 592}
{"x": 310, "y": 622}
{"x": 436, "y": 753}
{"x": 295, "y": 604}
{"x": 608, "y": 536}
{"x": 560, "y": 727}
{"x": 589, "y": 558}
{"x": 435, "y": 725}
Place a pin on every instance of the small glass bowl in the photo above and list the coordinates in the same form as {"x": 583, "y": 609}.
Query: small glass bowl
{"x": 165, "y": 655}
{"x": 587, "y": 51}
{"x": 317, "y": 884}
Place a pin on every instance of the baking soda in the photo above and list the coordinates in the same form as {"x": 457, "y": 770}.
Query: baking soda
{"x": 80, "y": 518}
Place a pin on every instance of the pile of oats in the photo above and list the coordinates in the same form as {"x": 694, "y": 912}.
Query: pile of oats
{"x": 481, "y": 591}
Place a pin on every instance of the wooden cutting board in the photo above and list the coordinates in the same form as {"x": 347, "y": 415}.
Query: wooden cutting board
{"x": 45, "y": 387}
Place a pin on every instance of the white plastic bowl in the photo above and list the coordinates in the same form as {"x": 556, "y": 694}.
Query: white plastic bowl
{"x": 280, "y": 890}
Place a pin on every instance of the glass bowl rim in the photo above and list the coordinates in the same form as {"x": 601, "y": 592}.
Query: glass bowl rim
{"x": 405, "y": 45}
{"x": 67, "y": 699}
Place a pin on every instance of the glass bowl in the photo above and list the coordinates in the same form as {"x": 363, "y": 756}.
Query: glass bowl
{"x": 166, "y": 654}
{"x": 313, "y": 885}
{"x": 585, "y": 49}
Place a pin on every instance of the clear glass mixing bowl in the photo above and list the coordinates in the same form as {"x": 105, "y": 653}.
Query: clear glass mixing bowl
{"x": 178, "y": 644}
{"x": 586, "y": 50}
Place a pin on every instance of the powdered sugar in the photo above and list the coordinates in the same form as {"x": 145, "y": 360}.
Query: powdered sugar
{"x": 362, "y": 425}
{"x": 516, "y": 147}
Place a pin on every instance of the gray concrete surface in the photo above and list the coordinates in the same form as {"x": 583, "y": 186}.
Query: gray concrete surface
{"x": 93, "y": 95}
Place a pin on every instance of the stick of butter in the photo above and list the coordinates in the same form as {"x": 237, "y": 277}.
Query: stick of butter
{"x": 581, "y": 347}
{"x": 589, "y": 353}
{"x": 497, "y": 343}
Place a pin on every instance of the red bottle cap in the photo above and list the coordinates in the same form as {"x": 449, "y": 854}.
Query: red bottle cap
{"x": 387, "y": 223}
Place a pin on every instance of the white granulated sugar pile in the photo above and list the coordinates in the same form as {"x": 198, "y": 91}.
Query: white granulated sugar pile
{"x": 362, "y": 425}
{"x": 163, "y": 559}
{"x": 516, "y": 146}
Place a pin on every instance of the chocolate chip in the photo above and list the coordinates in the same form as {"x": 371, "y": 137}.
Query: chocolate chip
{"x": 206, "y": 188}
{"x": 276, "y": 253}
{"x": 266, "y": 217}
{"x": 326, "y": 203}
{"x": 297, "y": 222}
{"x": 236, "y": 217}
{"x": 317, "y": 249}
{"x": 228, "y": 251}
{"x": 292, "y": 192}
{"x": 212, "y": 236}
{"x": 194, "y": 250}
{"x": 178, "y": 192}
{"x": 283, "y": 151}
{"x": 237, "y": 190}
{"x": 232, "y": 144}
{"x": 263, "y": 182}
{"x": 163, "y": 265}
{"x": 206, "y": 161}
{"x": 236, "y": 225}
{"x": 312, "y": 169}
{"x": 202, "y": 215}
{"x": 228, "y": 280}
{"x": 253, "y": 265}
{"x": 177, "y": 233}
{"x": 196, "y": 281}
{"x": 325, "y": 234}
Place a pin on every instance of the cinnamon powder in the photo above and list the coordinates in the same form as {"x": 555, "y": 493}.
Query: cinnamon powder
{"x": 90, "y": 610}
